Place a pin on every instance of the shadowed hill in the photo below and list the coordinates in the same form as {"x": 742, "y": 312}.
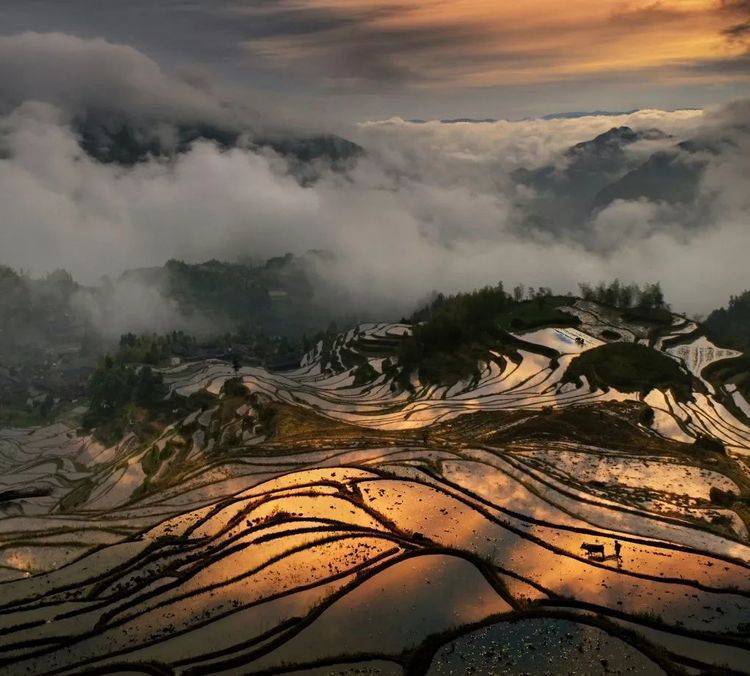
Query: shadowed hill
{"x": 630, "y": 367}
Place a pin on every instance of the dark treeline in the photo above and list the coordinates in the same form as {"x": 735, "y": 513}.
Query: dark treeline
{"x": 730, "y": 326}
{"x": 625, "y": 296}
{"x": 475, "y": 307}
{"x": 488, "y": 298}
{"x": 152, "y": 348}
{"x": 42, "y": 336}
{"x": 215, "y": 288}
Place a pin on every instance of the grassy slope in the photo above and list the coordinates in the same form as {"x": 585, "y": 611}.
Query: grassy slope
{"x": 629, "y": 367}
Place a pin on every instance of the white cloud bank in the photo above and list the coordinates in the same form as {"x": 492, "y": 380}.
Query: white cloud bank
{"x": 432, "y": 206}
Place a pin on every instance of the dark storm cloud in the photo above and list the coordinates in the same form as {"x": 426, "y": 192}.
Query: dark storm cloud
{"x": 84, "y": 75}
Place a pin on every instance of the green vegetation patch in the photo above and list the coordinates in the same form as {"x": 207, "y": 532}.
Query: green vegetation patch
{"x": 730, "y": 326}
{"x": 453, "y": 333}
{"x": 152, "y": 348}
{"x": 629, "y": 367}
{"x": 22, "y": 416}
{"x": 123, "y": 397}
{"x": 645, "y": 303}
{"x": 654, "y": 315}
{"x": 364, "y": 374}
{"x": 534, "y": 314}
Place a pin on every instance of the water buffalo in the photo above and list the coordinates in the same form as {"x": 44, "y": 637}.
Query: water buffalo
{"x": 591, "y": 549}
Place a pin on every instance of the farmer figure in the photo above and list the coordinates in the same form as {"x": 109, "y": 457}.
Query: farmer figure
{"x": 618, "y": 547}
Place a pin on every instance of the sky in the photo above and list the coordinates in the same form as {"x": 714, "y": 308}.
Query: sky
{"x": 353, "y": 60}
{"x": 428, "y": 206}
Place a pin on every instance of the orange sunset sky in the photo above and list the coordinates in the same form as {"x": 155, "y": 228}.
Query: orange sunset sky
{"x": 369, "y": 58}
{"x": 491, "y": 42}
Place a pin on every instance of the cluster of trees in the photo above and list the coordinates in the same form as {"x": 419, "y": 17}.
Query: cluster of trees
{"x": 452, "y": 333}
{"x": 730, "y": 326}
{"x": 475, "y": 309}
{"x": 520, "y": 292}
{"x": 261, "y": 346}
{"x": 230, "y": 290}
{"x": 277, "y": 296}
{"x": 152, "y": 348}
{"x": 124, "y": 390}
{"x": 625, "y": 296}
{"x": 14, "y": 294}
{"x": 40, "y": 325}
{"x": 120, "y": 393}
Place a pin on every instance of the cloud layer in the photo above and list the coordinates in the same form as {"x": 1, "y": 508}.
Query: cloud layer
{"x": 431, "y": 206}
{"x": 85, "y": 76}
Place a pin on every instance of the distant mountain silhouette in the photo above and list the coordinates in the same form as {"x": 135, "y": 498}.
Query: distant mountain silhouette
{"x": 593, "y": 174}
{"x": 122, "y": 142}
{"x": 588, "y": 113}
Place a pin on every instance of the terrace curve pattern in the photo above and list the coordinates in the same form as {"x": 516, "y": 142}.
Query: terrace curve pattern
{"x": 512, "y": 523}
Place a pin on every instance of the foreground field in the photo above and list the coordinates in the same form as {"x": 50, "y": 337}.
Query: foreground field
{"x": 314, "y": 524}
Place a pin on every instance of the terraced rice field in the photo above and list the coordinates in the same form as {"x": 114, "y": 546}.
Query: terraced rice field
{"x": 384, "y": 532}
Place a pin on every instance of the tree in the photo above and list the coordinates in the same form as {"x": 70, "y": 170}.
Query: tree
{"x": 730, "y": 326}
{"x": 647, "y": 417}
{"x": 626, "y": 296}
{"x": 612, "y": 293}
{"x": 115, "y": 388}
{"x": 45, "y": 408}
{"x": 110, "y": 389}
{"x": 587, "y": 293}
{"x": 149, "y": 388}
{"x": 128, "y": 340}
{"x": 651, "y": 297}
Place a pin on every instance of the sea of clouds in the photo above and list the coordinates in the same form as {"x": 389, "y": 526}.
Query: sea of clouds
{"x": 429, "y": 206}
